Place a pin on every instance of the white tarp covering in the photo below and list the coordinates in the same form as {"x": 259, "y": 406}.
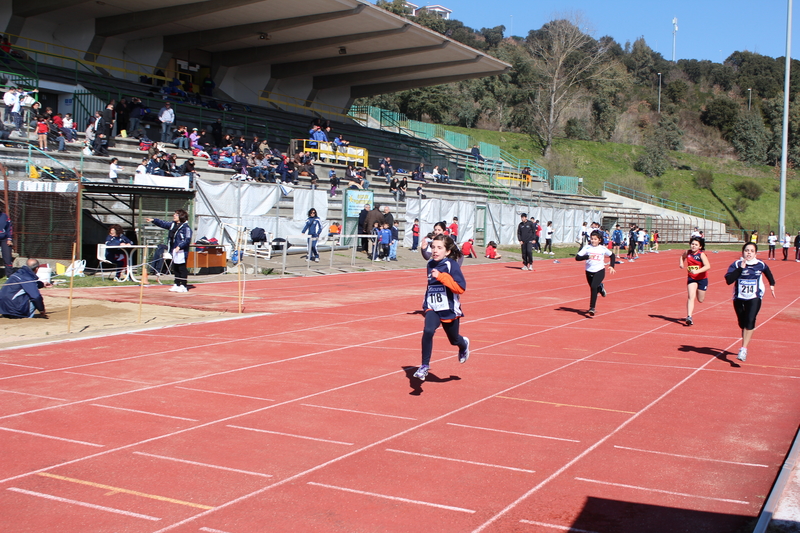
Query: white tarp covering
{"x": 305, "y": 199}
{"x": 152, "y": 180}
{"x": 431, "y": 211}
{"x": 236, "y": 203}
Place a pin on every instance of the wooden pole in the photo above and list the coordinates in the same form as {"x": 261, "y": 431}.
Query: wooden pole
{"x": 141, "y": 290}
{"x": 71, "y": 283}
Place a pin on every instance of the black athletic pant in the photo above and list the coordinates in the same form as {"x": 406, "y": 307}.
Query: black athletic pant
{"x": 432, "y": 322}
{"x": 595, "y": 280}
{"x": 527, "y": 253}
{"x": 746, "y": 312}
{"x": 548, "y": 245}
{"x": 8, "y": 259}
{"x": 181, "y": 273}
{"x": 785, "y": 253}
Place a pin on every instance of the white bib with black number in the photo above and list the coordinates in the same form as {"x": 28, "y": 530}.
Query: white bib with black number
{"x": 747, "y": 289}
{"x": 437, "y": 298}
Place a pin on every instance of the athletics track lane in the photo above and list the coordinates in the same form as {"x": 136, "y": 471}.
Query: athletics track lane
{"x": 568, "y": 409}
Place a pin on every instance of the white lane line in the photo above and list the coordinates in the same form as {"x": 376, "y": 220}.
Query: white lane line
{"x": 555, "y": 526}
{"x": 393, "y": 498}
{"x": 84, "y": 504}
{"x": 209, "y": 530}
{"x": 203, "y": 464}
{"x": 52, "y": 437}
{"x": 661, "y": 491}
{"x": 359, "y": 412}
{"x": 108, "y": 377}
{"x": 461, "y": 461}
{"x": 142, "y": 412}
{"x": 227, "y": 394}
{"x": 512, "y": 432}
{"x": 24, "y": 366}
{"x": 34, "y": 395}
{"x": 291, "y": 435}
{"x": 692, "y": 457}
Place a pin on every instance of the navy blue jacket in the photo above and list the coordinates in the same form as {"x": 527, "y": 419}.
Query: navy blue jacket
{"x": 180, "y": 234}
{"x": 6, "y": 229}
{"x": 21, "y": 288}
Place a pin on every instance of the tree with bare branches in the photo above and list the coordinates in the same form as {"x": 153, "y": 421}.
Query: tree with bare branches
{"x": 563, "y": 60}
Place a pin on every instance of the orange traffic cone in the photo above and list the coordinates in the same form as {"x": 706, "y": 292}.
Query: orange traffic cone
{"x": 144, "y": 276}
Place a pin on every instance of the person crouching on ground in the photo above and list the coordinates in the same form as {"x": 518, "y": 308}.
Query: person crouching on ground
{"x": 180, "y": 236}
{"x": 20, "y": 296}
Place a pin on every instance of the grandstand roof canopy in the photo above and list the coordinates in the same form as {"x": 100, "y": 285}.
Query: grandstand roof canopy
{"x": 339, "y": 43}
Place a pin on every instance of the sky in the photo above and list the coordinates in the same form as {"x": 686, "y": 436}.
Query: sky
{"x": 706, "y": 30}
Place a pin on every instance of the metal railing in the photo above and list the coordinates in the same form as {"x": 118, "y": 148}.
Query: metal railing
{"x": 42, "y": 169}
{"x": 329, "y": 152}
{"x": 664, "y": 203}
{"x": 565, "y": 184}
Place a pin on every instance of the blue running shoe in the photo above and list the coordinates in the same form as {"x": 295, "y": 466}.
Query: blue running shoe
{"x": 422, "y": 372}
{"x": 463, "y": 355}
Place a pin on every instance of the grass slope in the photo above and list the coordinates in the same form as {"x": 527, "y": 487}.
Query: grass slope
{"x": 597, "y": 163}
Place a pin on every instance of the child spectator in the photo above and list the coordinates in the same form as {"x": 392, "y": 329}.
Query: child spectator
{"x": 415, "y": 235}
{"x": 386, "y": 242}
{"x": 41, "y": 129}
{"x": 468, "y": 250}
{"x": 334, "y": 182}
{"x": 453, "y": 229}
{"x": 491, "y": 251}
{"x": 334, "y": 230}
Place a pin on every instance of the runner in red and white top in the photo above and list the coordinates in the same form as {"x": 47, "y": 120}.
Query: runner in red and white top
{"x": 697, "y": 265}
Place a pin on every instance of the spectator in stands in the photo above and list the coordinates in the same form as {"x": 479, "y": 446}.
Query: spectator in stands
{"x": 334, "y": 181}
{"x": 403, "y": 188}
{"x": 254, "y": 146}
{"x": 194, "y": 140}
{"x": 435, "y": 173}
{"x": 108, "y": 123}
{"x": 385, "y": 168}
{"x": 8, "y": 99}
{"x": 216, "y": 133}
{"x": 187, "y": 169}
{"x": 41, "y": 132}
{"x": 4, "y": 132}
{"x": 340, "y": 142}
{"x": 20, "y": 296}
{"x": 444, "y": 177}
{"x": 420, "y": 193}
{"x": 476, "y": 153}
{"x": 419, "y": 174}
{"x": 113, "y": 169}
{"x": 208, "y": 85}
{"x": 167, "y": 118}
{"x": 154, "y": 165}
{"x": 16, "y": 108}
{"x": 206, "y": 141}
{"x": 394, "y": 189}
{"x": 123, "y": 110}
{"x": 263, "y": 147}
{"x": 135, "y": 112}
{"x": 181, "y": 139}
{"x": 101, "y": 145}
{"x": 227, "y": 143}
{"x": 142, "y": 168}
{"x": 241, "y": 144}
{"x": 239, "y": 162}
{"x": 69, "y": 128}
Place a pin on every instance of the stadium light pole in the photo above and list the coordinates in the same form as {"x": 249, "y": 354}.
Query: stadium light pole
{"x": 674, "y": 35}
{"x": 659, "y": 93}
{"x": 749, "y": 98}
{"x": 785, "y": 133}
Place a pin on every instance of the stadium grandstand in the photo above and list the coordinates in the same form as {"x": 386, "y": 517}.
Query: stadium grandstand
{"x": 255, "y": 69}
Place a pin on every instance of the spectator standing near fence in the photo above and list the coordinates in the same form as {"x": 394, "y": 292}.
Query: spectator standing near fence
{"x": 548, "y": 242}
{"x": 180, "y": 237}
{"x": 787, "y": 242}
{"x": 363, "y": 229}
{"x": 415, "y": 235}
{"x": 167, "y": 118}
{"x": 453, "y": 229}
{"x": 772, "y": 240}
{"x": 441, "y": 305}
{"x": 526, "y": 233}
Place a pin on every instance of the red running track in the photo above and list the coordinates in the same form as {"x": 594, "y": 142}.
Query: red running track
{"x": 308, "y": 419}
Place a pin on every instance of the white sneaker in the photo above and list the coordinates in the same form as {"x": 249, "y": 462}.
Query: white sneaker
{"x": 174, "y": 288}
{"x": 524, "y": 267}
{"x": 182, "y": 288}
{"x": 742, "y": 354}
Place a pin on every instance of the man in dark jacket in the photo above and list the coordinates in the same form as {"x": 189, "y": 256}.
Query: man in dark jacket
{"x": 526, "y": 233}
{"x": 362, "y": 225}
{"x": 6, "y": 241}
{"x": 20, "y": 296}
{"x": 372, "y": 217}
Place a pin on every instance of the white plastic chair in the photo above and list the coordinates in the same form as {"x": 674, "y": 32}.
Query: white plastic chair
{"x": 101, "y": 259}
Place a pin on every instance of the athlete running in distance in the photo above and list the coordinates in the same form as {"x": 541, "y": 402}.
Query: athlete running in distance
{"x": 748, "y": 274}
{"x": 697, "y": 265}
{"x": 442, "y": 305}
{"x": 595, "y": 254}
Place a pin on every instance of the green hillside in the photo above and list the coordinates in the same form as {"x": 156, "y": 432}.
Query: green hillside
{"x": 598, "y": 162}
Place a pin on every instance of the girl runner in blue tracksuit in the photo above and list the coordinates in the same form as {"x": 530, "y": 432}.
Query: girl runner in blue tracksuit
{"x": 748, "y": 275}
{"x": 442, "y": 305}
{"x": 595, "y": 254}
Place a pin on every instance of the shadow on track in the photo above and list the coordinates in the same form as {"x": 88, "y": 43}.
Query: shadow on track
{"x": 416, "y": 384}
{"x": 582, "y": 312}
{"x": 722, "y": 355}
{"x": 670, "y": 319}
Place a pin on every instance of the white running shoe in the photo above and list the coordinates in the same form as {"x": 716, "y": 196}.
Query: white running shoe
{"x": 742, "y": 354}
{"x": 174, "y": 288}
{"x": 422, "y": 372}
{"x": 182, "y": 288}
{"x": 463, "y": 355}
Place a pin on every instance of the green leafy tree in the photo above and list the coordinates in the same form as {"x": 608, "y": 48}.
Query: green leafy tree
{"x": 721, "y": 113}
{"x": 640, "y": 62}
{"x": 668, "y": 134}
{"x": 433, "y": 102}
{"x": 676, "y": 91}
{"x": 493, "y": 36}
{"x": 576, "y": 129}
{"x": 749, "y": 138}
{"x": 653, "y": 162}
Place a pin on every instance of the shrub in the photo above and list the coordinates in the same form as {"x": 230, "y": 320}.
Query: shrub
{"x": 741, "y": 205}
{"x": 749, "y": 189}
{"x": 704, "y": 179}
{"x": 576, "y": 129}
